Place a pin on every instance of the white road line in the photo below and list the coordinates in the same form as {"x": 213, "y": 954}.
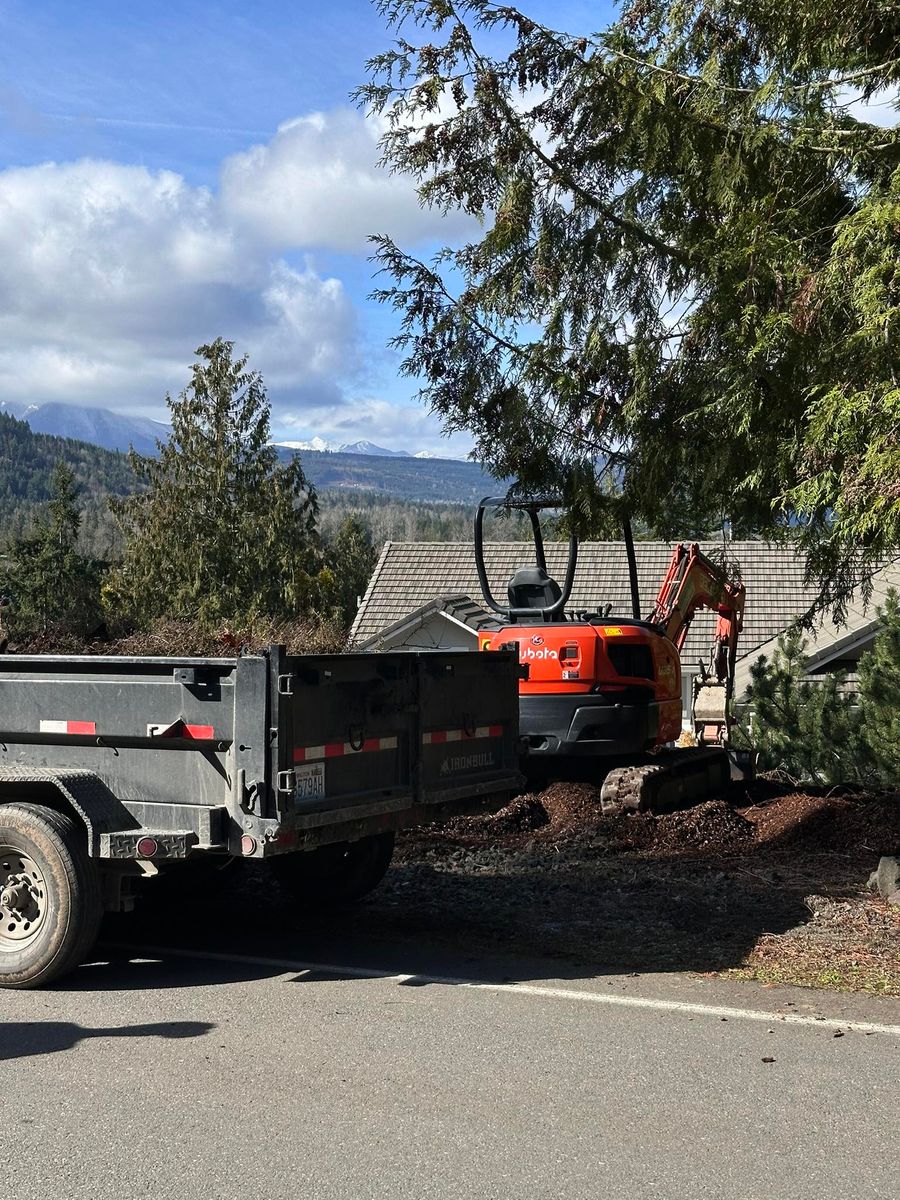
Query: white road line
{"x": 613, "y": 1000}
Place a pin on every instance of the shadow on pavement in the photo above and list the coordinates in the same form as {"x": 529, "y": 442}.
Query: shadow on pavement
{"x": 24, "y": 1039}
{"x": 572, "y": 923}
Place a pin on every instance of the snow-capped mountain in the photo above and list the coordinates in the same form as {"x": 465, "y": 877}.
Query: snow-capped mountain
{"x": 318, "y": 444}
{"x": 370, "y": 449}
{"x": 120, "y": 431}
{"x": 99, "y": 426}
{"x": 322, "y": 446}
{"x": 366, "y": 447}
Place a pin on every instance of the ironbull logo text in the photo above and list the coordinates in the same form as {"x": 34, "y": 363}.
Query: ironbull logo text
{"x": 466, "y": 762}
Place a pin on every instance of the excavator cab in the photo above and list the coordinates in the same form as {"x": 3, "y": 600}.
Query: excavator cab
{"x": 532, "y": 594}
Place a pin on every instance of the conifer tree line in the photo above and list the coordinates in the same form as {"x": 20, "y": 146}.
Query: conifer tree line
{"x": 220, "y": 531}
{"x": 827, "y": 731}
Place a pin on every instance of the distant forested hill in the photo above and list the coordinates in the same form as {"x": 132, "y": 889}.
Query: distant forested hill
{"x": 402, "y": 499}
{"x": 436, "y": 480}
{"x": 26, "y": 466}
{"x": 390, "y": 520}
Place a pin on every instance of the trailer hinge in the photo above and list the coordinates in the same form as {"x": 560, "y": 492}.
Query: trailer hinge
{"x": 285, "y": 685}
{"x": 286, "y": 781}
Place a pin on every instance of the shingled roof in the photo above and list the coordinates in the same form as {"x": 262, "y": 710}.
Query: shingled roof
{"x": 827, "y": 644}
{"x": 410, "y": 575}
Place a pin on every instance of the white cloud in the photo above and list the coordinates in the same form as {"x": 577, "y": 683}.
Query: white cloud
{"x": 114, "y": 274}
{"x": 318, "y": 183}
{"x": 394, "y": 426}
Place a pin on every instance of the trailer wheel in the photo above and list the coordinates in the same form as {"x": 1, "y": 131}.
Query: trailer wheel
{"x": 331, "y": 876}
{"x": 50, "y": 905}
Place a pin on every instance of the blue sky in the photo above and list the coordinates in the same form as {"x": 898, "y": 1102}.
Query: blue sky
{"x": 176, "y": 86}
{"x": 172, "y": 172}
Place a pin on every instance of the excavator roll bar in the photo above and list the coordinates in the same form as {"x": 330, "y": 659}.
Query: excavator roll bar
{"x": 533, "y": 506}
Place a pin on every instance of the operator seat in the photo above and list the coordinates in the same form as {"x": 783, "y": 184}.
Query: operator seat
{"x": 532, "y": 587}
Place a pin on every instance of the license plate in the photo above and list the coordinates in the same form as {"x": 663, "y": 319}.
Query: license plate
{"x": 310, "y": 782}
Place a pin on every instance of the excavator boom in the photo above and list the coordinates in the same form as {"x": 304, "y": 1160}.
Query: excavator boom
{"x": 692, "y": 582}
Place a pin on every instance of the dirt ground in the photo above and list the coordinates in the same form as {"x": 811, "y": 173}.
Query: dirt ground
{"x": 767, "y": 883}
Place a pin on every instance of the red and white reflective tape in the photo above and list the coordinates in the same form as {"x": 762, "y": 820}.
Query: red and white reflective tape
{"x": 438, "y": 737}
{"x": 200, "y": 733}
{"x": 178, "y": 729}
{"x": 82, "y": 727}
{"x": 338, "y": 749}
{"x": 435, "y": 737}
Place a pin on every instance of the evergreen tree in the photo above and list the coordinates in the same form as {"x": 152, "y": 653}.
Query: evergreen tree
{"x": 49, "y": 586}
{"x": 879, "y": 688}
{"x": 685, "y": 281}
{"x": 818, "y": 730}
{"x": 222, "y": 530}
{"x": 812, "y": 731}
{"x": 351, "y": 560}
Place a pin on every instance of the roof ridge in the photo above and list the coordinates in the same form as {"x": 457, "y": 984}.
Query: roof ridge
{"x": 667, "y": 543}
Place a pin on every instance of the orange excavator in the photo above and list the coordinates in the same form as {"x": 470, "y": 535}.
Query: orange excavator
{"x": 607, "y": 690}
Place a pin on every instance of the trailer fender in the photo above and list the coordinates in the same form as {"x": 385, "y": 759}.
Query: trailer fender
{"x": 81, "y": 794}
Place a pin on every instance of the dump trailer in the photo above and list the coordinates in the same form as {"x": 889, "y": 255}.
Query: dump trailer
{"x": 114, "y": 770}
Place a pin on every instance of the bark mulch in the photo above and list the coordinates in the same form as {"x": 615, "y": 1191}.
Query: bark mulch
{"x": 768, "y": 883}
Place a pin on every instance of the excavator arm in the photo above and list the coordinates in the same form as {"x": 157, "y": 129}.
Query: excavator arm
{"x": 692, "y": 582}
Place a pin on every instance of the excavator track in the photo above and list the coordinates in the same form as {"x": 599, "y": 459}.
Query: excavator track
{"x": 670, "y": 780}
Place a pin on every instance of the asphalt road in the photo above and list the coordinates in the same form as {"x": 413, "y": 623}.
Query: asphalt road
{"x": 155, "y": 1074}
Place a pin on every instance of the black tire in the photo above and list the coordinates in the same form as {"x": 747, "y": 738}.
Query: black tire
{"x": 49, "y": 930}
{"x": 332, "y": 876}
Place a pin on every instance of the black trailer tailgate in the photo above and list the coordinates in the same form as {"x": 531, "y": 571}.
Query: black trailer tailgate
{"x": 388, "y": 740}
{"x": 469, "y": 720}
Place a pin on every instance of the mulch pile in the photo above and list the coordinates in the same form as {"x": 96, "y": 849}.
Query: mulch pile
{"x": 706, "y": 827}
{"x": 830, "y": 823}
{"x": 570, "y": 814}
